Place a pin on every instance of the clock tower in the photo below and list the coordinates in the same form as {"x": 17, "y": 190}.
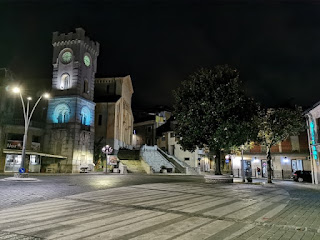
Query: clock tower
{"x": 70, "y": 117}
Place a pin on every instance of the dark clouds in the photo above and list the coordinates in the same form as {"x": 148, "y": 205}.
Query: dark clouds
{"x": 275, "y": 46}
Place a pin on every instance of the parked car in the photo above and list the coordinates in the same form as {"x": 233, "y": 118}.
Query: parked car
{"x": 302, "y": 176}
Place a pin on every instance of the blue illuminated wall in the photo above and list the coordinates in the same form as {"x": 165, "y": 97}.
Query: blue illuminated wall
{"x": 71, "y": 109}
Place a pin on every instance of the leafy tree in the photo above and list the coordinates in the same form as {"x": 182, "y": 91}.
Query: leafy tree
{"x": 212, "y": 110}
{"x": 276, "y": 125}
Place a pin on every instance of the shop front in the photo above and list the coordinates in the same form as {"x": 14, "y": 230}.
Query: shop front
{"x": 33, "y": 160}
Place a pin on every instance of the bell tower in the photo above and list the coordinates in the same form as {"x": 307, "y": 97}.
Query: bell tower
{"x": 70, "y": 117}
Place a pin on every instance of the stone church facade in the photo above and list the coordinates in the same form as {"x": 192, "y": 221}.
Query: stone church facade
{"x": 114, "y": 118}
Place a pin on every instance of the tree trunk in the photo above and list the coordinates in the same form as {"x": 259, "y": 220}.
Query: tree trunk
{"x": 218, "y": 163}
{"x": 269, "y": 164}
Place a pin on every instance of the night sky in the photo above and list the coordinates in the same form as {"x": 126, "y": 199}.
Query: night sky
{"x": 275, "y": 45}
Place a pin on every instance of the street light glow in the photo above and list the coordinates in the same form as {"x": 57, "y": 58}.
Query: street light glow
{"x": 46, "y": 95}
{"x": 29, "y": 98}
{"x": 16, "y": 90}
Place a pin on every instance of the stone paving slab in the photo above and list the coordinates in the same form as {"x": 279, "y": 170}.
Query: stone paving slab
{"x": 169, "y": 211}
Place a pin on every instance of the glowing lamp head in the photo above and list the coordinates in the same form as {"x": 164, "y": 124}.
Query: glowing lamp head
{"x": 16, "y": 90}
{"x": 29, "y": 98}
{"x": 46, "y": 95}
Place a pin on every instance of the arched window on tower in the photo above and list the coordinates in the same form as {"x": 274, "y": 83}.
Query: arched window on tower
{"x": 61, "y": 113}
{"x": 85, "y": 116}
{"x": 65, "y": 81}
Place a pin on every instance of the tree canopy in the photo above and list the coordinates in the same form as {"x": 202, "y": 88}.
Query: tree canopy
{"x": 276, "y": 125}
{"x": 212, "y": 110}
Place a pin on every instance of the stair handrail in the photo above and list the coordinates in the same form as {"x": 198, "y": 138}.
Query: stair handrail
{"x": 182, "y": 164}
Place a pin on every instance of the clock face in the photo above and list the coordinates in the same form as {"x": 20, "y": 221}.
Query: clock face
{"x": 87, "y": 60}
{"x": 66, "y": 57}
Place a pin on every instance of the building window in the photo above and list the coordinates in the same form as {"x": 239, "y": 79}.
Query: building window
{"x": 163, "y": 138}
{"x": 172, "y": 135}
{"x": 100, "y": 120}
{"x": 186, "y": 159}
{"x": 149, "y": 129}
{"x": 85, "y": 116}
{"x": 61, "y": 113}
{"x": 108, "y": 88}
{"x": 65, "y": 81}
{"x": 85, "y": 86}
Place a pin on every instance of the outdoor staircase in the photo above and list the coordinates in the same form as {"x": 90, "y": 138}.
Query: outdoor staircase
{"x": 181, "y": 166}
{"x": 154, "y": 159}
{"x": 133, "y": 166}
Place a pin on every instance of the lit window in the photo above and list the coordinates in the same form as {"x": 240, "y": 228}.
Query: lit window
{"x": 65, "y": 81}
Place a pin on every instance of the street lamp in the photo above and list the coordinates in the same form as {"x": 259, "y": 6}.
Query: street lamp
{"x": 27, "y": 118}
{"x": 107, "y": 150}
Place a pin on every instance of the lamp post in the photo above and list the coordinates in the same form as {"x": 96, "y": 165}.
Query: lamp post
{"x": 27, "y": 118}
{"x": 107, "y": 150}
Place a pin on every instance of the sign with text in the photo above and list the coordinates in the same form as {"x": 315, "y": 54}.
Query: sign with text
{"x": 14, "y": 144}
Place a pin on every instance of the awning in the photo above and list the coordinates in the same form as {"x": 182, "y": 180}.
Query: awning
{"x": 14, "y": 151}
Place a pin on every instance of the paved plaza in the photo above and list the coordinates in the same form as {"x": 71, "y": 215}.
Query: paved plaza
{"x": 156, "y": 207}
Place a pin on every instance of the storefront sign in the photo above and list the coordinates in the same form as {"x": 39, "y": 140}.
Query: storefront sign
{"x": 314, "y": 151}
{"x": 14, "y": 144}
